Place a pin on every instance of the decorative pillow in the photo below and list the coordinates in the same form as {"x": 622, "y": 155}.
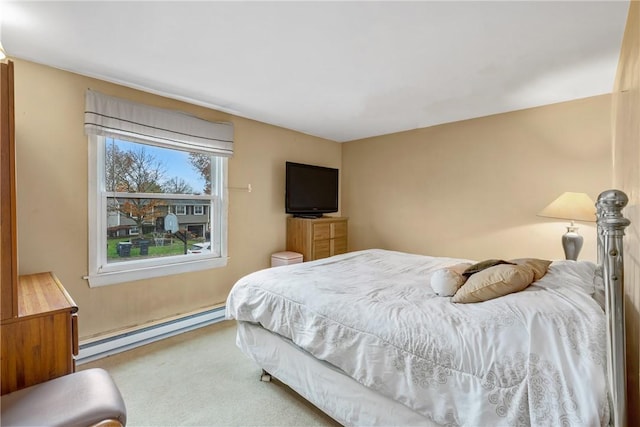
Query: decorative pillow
{"x": 539, "y": 266}
{"x": 494, "y": 282}
{"x": 483, "y": 265}
{"x": 446, "y": 281}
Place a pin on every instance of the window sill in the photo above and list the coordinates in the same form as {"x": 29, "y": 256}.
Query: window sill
{"x": 116, "y": 277}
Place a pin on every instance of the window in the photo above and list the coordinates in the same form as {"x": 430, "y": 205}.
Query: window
{"x": 142, "y": 193}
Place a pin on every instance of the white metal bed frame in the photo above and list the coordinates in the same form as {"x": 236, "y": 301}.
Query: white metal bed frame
{"x": 611, "y": 226}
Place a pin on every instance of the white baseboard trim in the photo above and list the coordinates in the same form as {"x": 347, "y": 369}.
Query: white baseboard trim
{"x": 97, "y": 349}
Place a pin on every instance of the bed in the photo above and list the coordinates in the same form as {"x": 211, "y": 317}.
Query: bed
{"x": 364, "y": 338}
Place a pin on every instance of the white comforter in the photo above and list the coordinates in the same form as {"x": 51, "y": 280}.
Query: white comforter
{"x": 536, "y": 357}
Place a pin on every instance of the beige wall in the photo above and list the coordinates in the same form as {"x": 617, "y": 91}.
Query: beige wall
{"x": 52, "y": 183}
{"x": 467, "y": 189}
{"x": 472, "y": 189}
{"x": 626, "y": 143}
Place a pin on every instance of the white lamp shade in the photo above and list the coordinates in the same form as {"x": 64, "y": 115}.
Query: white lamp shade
{"x": 571, "y": 206}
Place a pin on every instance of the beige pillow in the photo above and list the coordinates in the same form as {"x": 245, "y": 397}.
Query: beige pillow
{"x": 459, "y": 268}
{"x": 539, "y": 266}
{"x": 494, "y": 282}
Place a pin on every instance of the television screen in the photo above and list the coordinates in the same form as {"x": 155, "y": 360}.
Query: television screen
{"x": 310, "y": 190}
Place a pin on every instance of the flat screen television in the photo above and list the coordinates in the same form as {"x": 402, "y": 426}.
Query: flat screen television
{"x": 310, "y": 191}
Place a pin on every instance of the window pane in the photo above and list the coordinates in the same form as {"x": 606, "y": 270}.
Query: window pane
{"x": 139, "y": 168}
{"x": 139, "y": 228}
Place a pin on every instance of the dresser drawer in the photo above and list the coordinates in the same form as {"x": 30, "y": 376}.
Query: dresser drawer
{"x": 321, "y": 249}
{"x": 339, "y": 229}
{"x": 338, "y": 246}
{"x": 321, "y": 231}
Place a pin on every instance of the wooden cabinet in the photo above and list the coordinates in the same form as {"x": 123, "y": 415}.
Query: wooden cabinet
{"x": 317, "y": 238}
{"x": 8, "y": 261}
{"x": 38, "y": 324}
{"x": 41, "y": 342}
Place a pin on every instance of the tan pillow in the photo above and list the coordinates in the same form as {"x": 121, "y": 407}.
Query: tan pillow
{"x": 459, "y": 268}
{"x": 539, "y": 266}
{"x": 494, "y": 282}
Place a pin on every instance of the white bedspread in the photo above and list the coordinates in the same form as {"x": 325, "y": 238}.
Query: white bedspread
{"x": 536, "y": 357}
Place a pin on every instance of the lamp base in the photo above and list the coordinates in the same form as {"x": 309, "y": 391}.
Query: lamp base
{"x": 572, "y": 243}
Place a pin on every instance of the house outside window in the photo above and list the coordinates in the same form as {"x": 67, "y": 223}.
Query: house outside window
{"x": 136, "y": 185}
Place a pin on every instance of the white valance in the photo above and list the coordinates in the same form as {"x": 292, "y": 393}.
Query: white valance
{"x": 119, "y": 118}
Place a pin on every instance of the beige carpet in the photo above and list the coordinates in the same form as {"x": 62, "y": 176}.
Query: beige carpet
{"x": 201, "y": 378}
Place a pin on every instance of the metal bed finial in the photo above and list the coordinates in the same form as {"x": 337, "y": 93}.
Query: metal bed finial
{"x": 611, "y": 226}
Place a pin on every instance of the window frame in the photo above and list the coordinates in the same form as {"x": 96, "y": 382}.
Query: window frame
{"x": 102, "y": 273}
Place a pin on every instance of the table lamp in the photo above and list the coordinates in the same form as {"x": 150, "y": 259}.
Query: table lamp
{"x": 574, "y": 207}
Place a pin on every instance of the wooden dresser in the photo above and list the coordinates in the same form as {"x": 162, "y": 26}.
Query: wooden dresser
{"x": 40, "y": 343}
{"x": 317, "y": 238}
{"x": 38, "y": 324}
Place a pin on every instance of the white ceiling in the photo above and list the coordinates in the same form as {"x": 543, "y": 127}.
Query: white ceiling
{"x": 338, "y": 70}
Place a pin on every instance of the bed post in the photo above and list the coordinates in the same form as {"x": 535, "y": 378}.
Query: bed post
{"x": 611, "y": 226}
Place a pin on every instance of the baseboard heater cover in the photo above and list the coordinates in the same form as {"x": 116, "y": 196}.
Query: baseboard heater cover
{"x": 100, "y": 348}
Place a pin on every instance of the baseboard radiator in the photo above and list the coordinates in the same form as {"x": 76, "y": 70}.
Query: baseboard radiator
{"x": 103, "y": 347}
